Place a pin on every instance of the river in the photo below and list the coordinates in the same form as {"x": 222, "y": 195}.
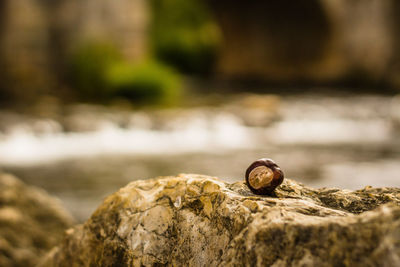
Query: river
{"x": 87, "y": 152}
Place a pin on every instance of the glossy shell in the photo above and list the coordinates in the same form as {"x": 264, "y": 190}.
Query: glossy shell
{"x": 263, "y": 176}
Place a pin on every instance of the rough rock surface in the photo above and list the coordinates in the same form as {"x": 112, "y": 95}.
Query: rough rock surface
{"x": 31, "y": 223}
{"x": 194, "y": 220}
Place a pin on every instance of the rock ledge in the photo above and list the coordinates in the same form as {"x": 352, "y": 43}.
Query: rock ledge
{"x": 194, "y": 220}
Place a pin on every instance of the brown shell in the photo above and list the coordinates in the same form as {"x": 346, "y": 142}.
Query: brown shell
{"x": 275, "y": 182}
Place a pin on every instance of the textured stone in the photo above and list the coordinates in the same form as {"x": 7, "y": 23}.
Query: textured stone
{"x": 31, "y": 223}
{"x": 194, "y": 220}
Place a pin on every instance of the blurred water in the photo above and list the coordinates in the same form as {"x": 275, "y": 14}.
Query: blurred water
{"x": 198, "y": 134}
{"x": 346, "y": 142}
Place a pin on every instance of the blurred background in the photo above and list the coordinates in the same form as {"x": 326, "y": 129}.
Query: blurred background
{"x": 97, "y": 93}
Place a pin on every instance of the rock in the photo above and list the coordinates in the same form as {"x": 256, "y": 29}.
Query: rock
{"x": 194, "y": 220}
{"x": 31, "y": 222}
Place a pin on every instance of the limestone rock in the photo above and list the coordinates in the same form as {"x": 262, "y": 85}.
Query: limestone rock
{"x": 194, "y": 220}
{"x": 31, "y": 223}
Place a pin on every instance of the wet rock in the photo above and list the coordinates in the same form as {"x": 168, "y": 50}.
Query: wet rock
{"x": 31, "y": 222}
{"x": 193, "y": 220}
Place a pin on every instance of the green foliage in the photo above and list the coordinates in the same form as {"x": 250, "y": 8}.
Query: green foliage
{"x": 184, "y": 35}
{"x": 99, "y": 73}
{"x": 88, "y": 66}
{"x": 145, "y": 83}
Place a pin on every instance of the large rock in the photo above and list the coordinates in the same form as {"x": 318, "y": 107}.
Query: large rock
{"x": 193, "y": 220}
{"x": 31, "y": 222}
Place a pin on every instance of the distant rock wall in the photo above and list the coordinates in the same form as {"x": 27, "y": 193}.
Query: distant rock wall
{"x": 36, "y": 37}
{"x": 24, "y": 63}
{"x": 124, "y": 22}
{"x": 194, "y": 220}
{"x": 310, "y": 40}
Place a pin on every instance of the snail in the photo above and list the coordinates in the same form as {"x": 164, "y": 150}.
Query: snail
{"x": 263, "y": 176}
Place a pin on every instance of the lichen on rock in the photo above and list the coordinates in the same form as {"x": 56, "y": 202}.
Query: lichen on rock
{"x": 195, "y": 220}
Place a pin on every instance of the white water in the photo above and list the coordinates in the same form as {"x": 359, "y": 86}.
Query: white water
{"x": 224, "y": 132}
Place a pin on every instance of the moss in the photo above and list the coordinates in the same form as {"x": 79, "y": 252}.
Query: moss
{"x": 98, "y": 72}
{"x": 145, "y": 83}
